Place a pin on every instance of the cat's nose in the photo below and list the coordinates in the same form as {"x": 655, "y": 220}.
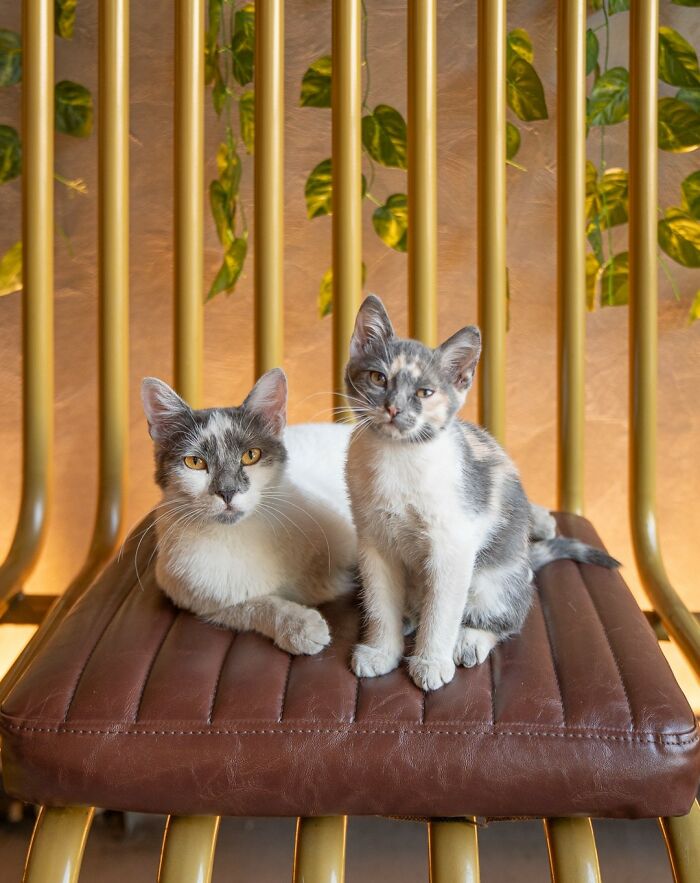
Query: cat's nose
{"x": 392, "y": 410}
{"x": 226, "y": 496}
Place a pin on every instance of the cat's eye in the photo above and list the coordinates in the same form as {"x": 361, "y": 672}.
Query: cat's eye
{"x": 424, "y": 392}
{"x": 251, "y": 456}
{"x": 195, "y": 463}
{"x": 377, "y": 378}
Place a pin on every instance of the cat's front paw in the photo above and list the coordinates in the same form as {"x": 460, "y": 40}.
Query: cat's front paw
{"x": 430, "y": 674}
{"x": 305, "y": 634}
{"x": 370, "y": 662}
{"x": 473, "y": 646}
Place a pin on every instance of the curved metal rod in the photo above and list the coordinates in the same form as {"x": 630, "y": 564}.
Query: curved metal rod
{"x": 58, "y": 842}
{"x": 682, "y": 836}
{"x": 319, "y": 850}
{"x": 643, "y": 186}
{"x": 453, "y": 851}
{"x": 572, "y": 852}
{"x": 189, "y": 845}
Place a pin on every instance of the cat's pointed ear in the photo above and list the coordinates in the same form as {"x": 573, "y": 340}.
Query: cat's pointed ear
{"x": 460, "y": 354}
{"x": 163, "y": 406}
{"x": 372, "y": 325}
{"x": 268, "y": 399}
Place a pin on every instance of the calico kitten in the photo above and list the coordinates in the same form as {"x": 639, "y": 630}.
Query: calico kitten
{"x": 443, "y": 523}
{"x": 253, "y": 526}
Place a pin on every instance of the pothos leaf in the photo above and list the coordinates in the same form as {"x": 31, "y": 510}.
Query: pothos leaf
{"x": 519, "y": 42}
{"x": 243, "y": 44}
{"x": 246, "y": 116}
{"x": 11, "y": 270}
{"x": 211, "y": 46}
{"x": 10, "y": 154}
{"x": 691, "y": 194}
{"x": 231, "y": 267}
{"x": 679, "y": 126}
{"x": 64, "y": 18}
{"x": 614, "y": 286}
{"x": 679, "y": 236}
{"x": 390, "y": 221}
{"x": 686, "y": 2}
{"x": 384, "y": 136}
{"x": 73, "y": 105}
{"x": 690, "y": 97}
{"x": 325, "y": 292}
{"x": 316, "y": 84}
{"x": 228, "y": 163}
{"x": 678, "y": 61}
{"x": 592, "y": 270}
{"x": 512, "y": 140}
{"x": 223, "y": 210}
{"x": 609, "y": 100}
{"x": 10, "y": 58}
{"x": 606, "y": 198}
{"x": 615, "y": 6}
{"x": 524, "y": 91}
{"x": 318, "y": 190}
{"x": 694, "y": 311}
{"x": 592, "y": 50}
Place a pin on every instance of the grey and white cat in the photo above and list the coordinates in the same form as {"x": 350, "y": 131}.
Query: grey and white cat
{"x": 254, "y": 525}
{"x": 447, "y": 539}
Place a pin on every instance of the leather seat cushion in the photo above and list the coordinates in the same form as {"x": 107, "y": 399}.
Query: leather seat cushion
{"x": 135, "y": 705}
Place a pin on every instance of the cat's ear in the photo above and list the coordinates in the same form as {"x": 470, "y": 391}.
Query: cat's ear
{"x": 268, "y": 399}
{"x": 460, "y": 354}
{"x": 163, "y": 406}
{"x": 372, "y": 325}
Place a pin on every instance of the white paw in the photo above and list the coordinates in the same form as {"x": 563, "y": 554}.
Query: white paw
{"x": 473, "y": 646}
{"x": 305, "y": 634}
{"x": 430, "y": 674}
{"x": 370, "y": 662}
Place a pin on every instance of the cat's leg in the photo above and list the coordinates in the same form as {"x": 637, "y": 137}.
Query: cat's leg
{"x": 293, "y": 627}
{"x": 383, "y": 589}
{"x": 542, "y": 523}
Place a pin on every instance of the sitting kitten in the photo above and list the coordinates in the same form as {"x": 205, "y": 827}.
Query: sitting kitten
{"x": 442, "y": 519}
{"x": 245, "y": 539}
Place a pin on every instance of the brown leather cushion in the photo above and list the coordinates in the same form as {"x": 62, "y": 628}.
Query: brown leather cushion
{"x": 135, "y": 705}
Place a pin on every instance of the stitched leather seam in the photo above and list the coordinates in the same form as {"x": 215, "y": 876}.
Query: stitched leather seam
{"x": 285, "y": 688}
{"x": 493, "y": 689}
{"x": 152, "y": 663}
{"x": 552, "y": 654}
{"x": 426, "y": 731}
{"x": 218, "y": 677}
{"x": 358, "y": 681}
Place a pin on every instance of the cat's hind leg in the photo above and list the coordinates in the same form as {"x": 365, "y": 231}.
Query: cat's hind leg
{"x": 542, "y": 524}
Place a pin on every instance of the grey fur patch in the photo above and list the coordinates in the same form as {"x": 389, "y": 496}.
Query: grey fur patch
{"x": 545, "y": 551}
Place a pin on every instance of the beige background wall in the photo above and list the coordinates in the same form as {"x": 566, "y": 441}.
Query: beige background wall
{"x": 228, "y": 347}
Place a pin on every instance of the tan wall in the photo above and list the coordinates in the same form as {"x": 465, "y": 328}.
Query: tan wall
{"x": 531, "y": 342}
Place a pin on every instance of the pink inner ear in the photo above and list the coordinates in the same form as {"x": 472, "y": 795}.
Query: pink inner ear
{"x": 268, "y": 398}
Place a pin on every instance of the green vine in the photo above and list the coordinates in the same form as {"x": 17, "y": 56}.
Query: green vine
{"x": 73, "y": 108}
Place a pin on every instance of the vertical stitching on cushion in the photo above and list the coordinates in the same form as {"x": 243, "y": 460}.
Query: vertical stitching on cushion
{"x": 422, "y": 707}
{"x": 218, "y": 677}
{"x": 493, "y": 688}
{"x": 552, "y": 656}
{"x": 357, "y": 699}
{"x": 154, "y": 659}
{"x": 284, "y": 690}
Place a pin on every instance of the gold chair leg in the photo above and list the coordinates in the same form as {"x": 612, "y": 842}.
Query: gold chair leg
{"x": 187, "y": 855}
{"x": 56, "y": 850}
{"x": 682, "y": 836}
{"x": 572, "y": 853}
{"x": 319, "y": 850}
{"x": 453, "y": 851}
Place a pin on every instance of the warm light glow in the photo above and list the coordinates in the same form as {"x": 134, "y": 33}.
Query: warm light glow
{"x": 686, "y": 677}
{"x": 13, "y": 638}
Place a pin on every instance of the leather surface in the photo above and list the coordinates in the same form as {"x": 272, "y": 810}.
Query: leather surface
{"x": 135, "y": 705}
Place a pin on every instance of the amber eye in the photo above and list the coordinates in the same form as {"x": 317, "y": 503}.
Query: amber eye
{"x": 377, "y": 378}
{"x": 424, "y": 393}
{"x": 195, "y": 463}
{"x": 251, "y": 456}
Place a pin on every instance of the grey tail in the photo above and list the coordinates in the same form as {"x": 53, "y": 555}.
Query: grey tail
{"x": 544, "y": 551}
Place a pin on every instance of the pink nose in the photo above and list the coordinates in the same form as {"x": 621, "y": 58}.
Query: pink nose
{"x": 392, "y": 410}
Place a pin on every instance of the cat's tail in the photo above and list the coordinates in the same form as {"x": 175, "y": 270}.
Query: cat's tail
{"x": 544, "y": 551}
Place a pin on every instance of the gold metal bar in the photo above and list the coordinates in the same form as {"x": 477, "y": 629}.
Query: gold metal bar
{"x": 37, "y": 295}
{"x": 491, "y": 212}
{"x": 319, "y": 850}
{"x": 189, "y": 843}
{"x": 347, "y": 179}
{"x": 571, "y": 250}
{"x": 453, "y": 851}
{"x": 422, "y": 171}
{"x": 643, "y": 202}
{"x": 57, "y": 845}
{"x": 572, "y": 853}
{"x": 269, "y": 184}
{"x": 682, "y": 836}
{"x": 189, "y": 197}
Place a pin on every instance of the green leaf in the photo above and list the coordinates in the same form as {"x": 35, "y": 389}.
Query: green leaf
{"x": 606, "y": 199}
{"x": 316, "y": 84}
{"x": 64, "y": 18}
{"x": 678, "y": 61}
{"x": 686, "y": 2}
{"x": 592, "y": 269}
{"x": 384, "y": 136}
{"x": 592, "y": 50}
{"x": 73, "y": 105}
{"x": 690, "y": 97}
{"x": 679, "y": 126}
{"x": 211, "y": 46}
{"x": 10, "y": 154}
{"x": 512, "y": 140}
{"x": 231, "y": 268}
{"x": 679, "y": 236}
{"x": 10, "y": 58}
{"x": 524, "y": 90}
{"x": 691, "y": 194}
{"x": 609, "y": 100}
{"x": 614, "y": 287}
{"x": 219, "y": 92}
{"x": 228, "y": 163}
{"x": 595, "y": 5}
{"x": 11, "y": 270}
{"x": 615, "y": 6}
{"x": 325, "y": 295}
{"x": 391, "y": 221}
{"x": 694, "y": 312}
{"x": 223, "y": 211}
{"x": 318, "y": 190}
{"x": 243, "y": 44}
{"x": 246, "y": 115}
{"x": 519, "y": 43}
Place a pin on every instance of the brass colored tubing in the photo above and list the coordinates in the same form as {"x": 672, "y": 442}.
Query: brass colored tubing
{"x": 37, "y": 295}
{"x": 56, "y": 849}
{"x": 347, "y": 179}
{"x": 572, "y": 852}
{"x": 453, "y": 850}
{"x": 491, "y": 212}
{"x": 679, "y": 622}
{"x": 189, "y": 197}
{"x": 571, "y": 250}
{"x": 422, "y": 171}
{"x": 319, "y": 850}
{"x": 189, "y": 844}
{"x": 269, "y": 183}
{"x": 682, "y": 836}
